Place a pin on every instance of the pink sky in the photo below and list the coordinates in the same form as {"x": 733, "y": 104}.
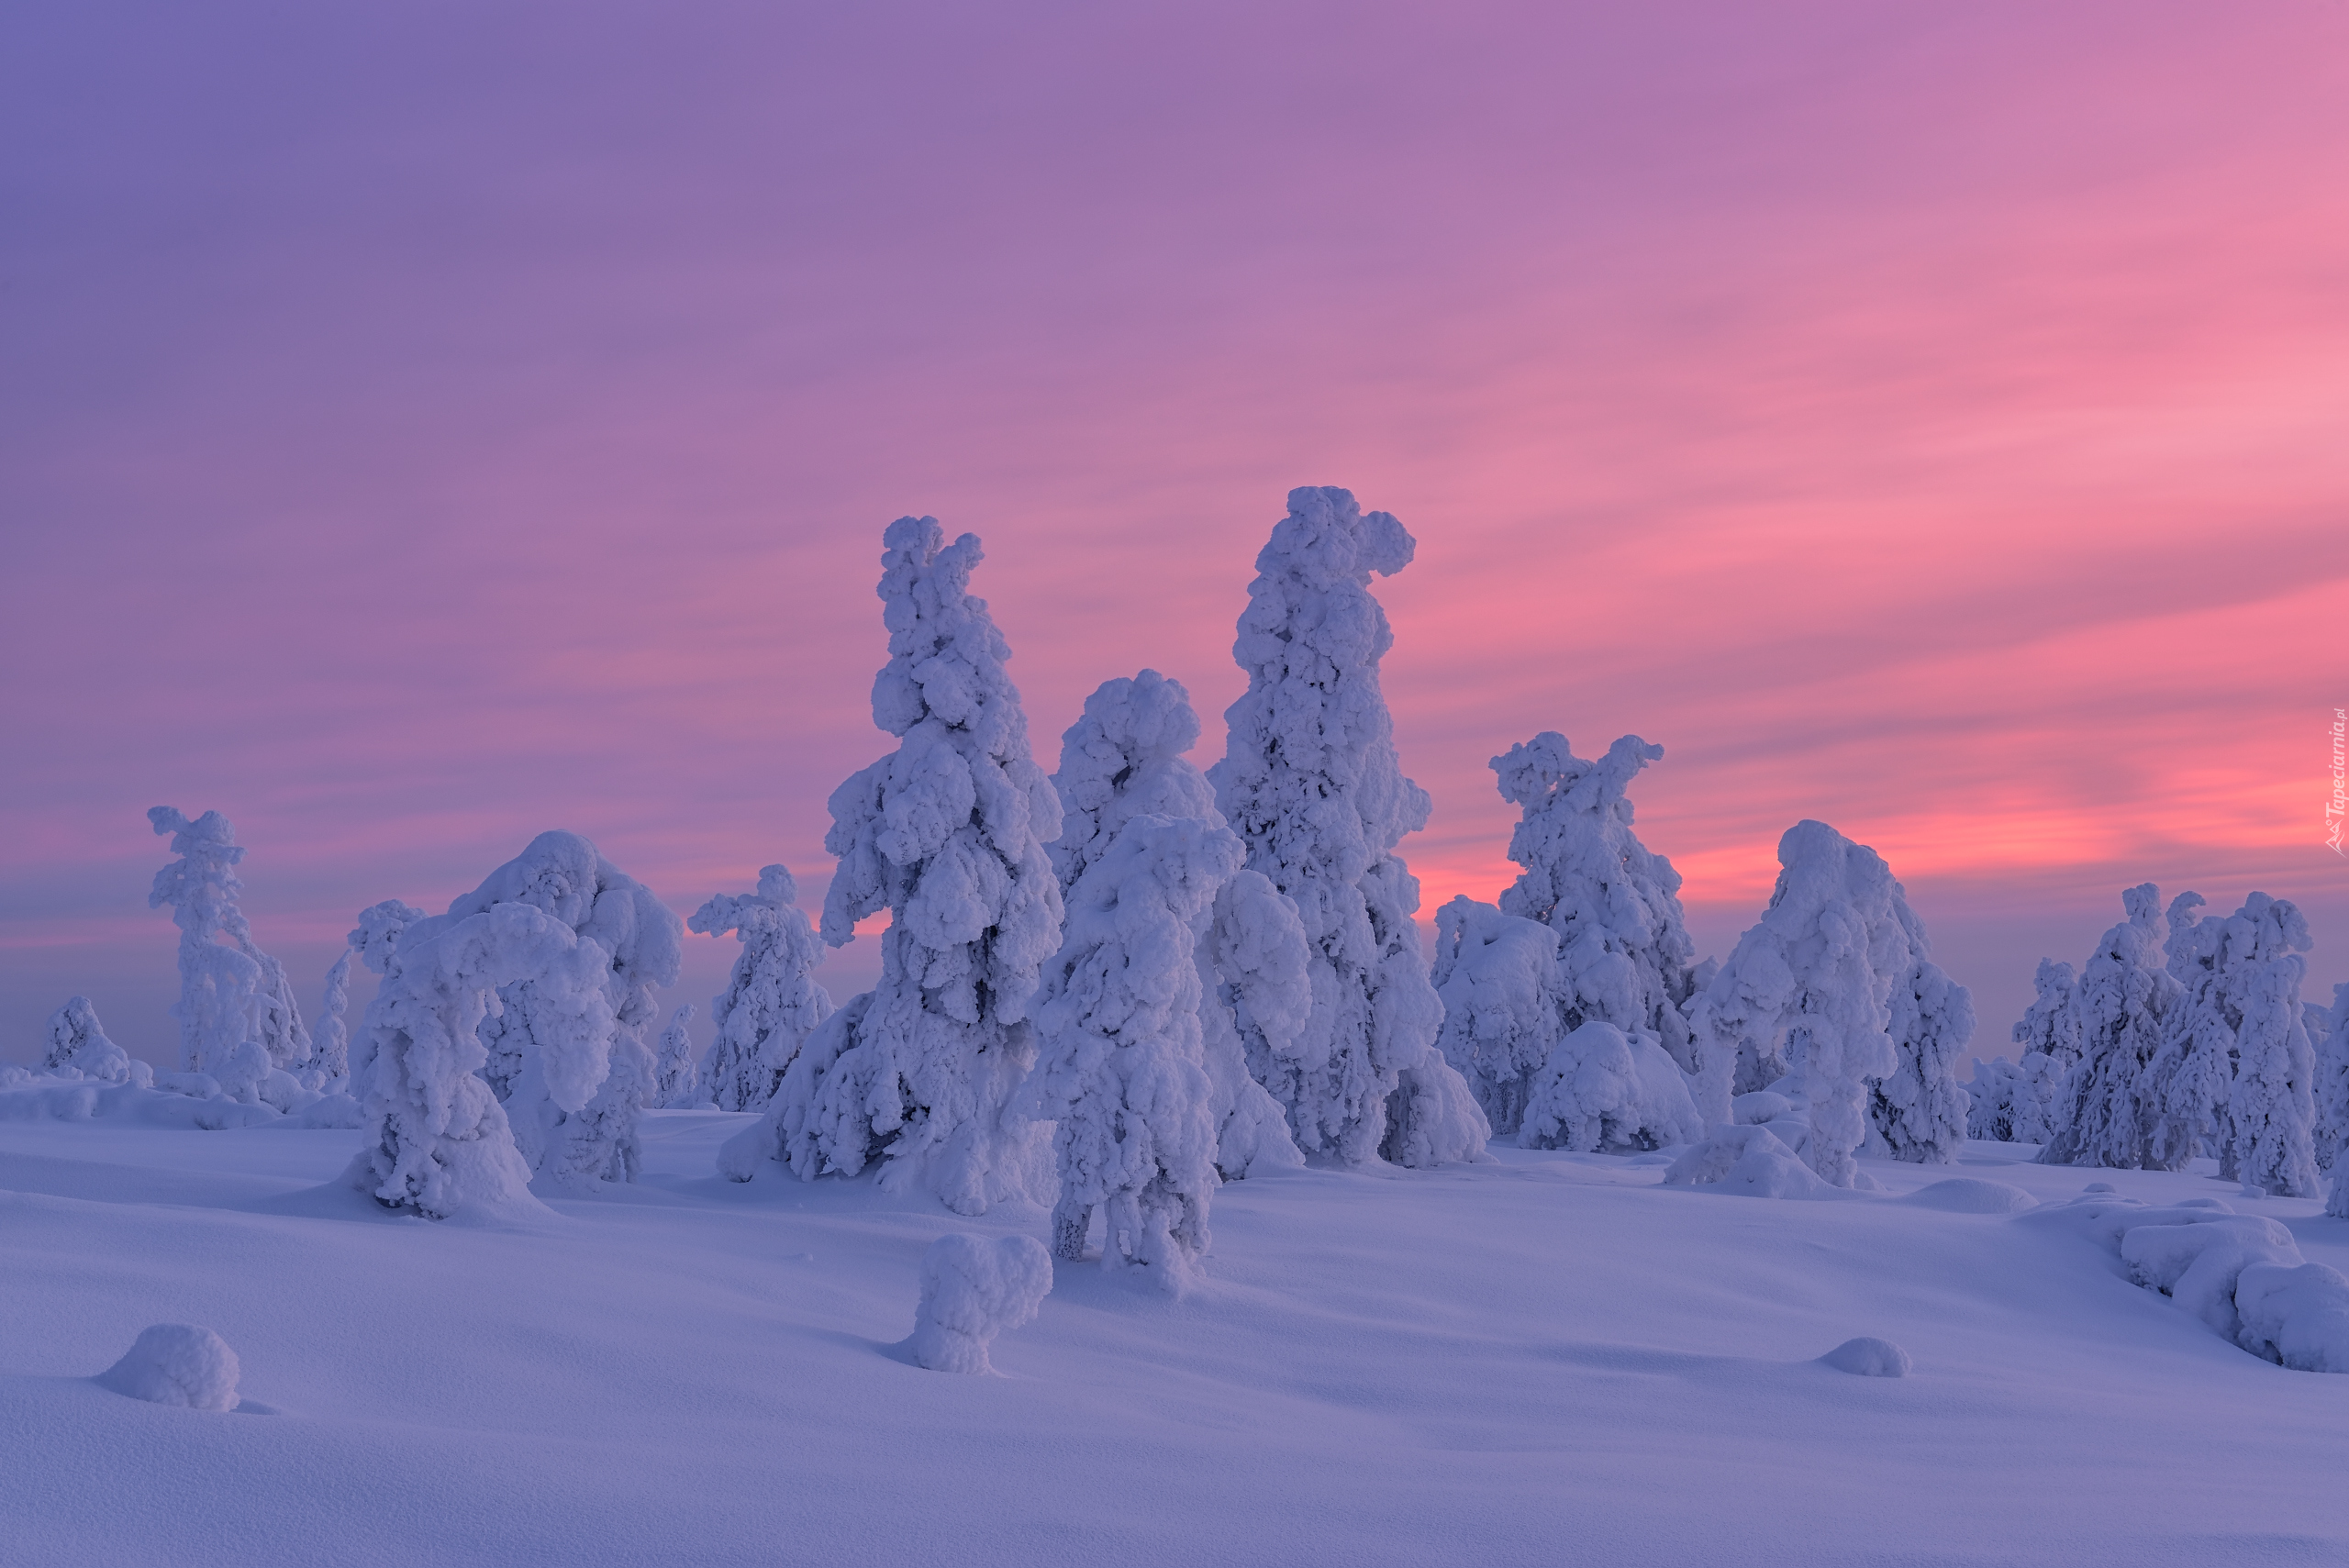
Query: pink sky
{"x": 425, "y": 426}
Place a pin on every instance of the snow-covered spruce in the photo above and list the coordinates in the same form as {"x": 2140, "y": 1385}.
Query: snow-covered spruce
{"x": 1122, "y": 759}
{"x": 675, "y": 1084}
{"x": 77, "y": 1045}
{"x": 1310, "y": 782}
{"x": 176, "y": 1363}
{"x": 1604, "y": 1090}
{"x": 972, "y": 1290}
{"x": 1918, "y": 1110}
{"x": 1504, "y": 1000}
{"x": 1624, "y": 952}
{"x": 332, "y": 1041}
{"x": 772, "y": 1003}
{"x": 947, "y": 833}
{"x": 1120, "y": 1070}
{"x": 2332, "y": 1077}
{"x": 440, "y": 1141}
{"x": 1806, "y": 996}
{"x": 575, "y": 1101}
{"x": 230, "y": 991}
{"x": 2236, "y": 1073}
{"x": 2126, "y": 996}
{"x": 2017, "y": 1102}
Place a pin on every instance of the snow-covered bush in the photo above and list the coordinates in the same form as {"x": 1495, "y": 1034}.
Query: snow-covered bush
{"x": 2125, "y": 999}
{"x": 1121, "y": 760}
{"x": 177, "y": 1363}
{"x": 1604, "y": 1090}
{"x": 1806, "y": 996}
{"x": 332, "y": 1041}
{"x": 1623, "y": 949}
{"x": 1920, "y": 1109}
{"x": 772, "y": 1003}
{"x": 439, "y": 1139}
{"x": 1751, "y": 1160}
{"x": 675, "y": 1084}
{"x": 223, "y": 1002}
{"x": 947, "y": 833}
{"x": 1310, "y": 782}
{"x": 1119, "y": 1069}
{"x": 573, "y": 1102}
{"x": 76, "y": 1044}
{"x": 1504, "y": 1003}
{"x": 972, "y": 1290}
{"x": 2235, "y": 1073}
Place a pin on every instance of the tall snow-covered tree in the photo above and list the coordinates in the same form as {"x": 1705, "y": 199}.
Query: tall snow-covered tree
{"x": 76, "y": 1043}
{"x": 230, "y": 991}
{"x": 1504, "y": 1000}
{"x": 1121, "y": 1071}
{"x": 2271, "y": 1106}
{"x": 2126, "y": 997}
{"x": 2332, "y": 1078}
{"x": 772, "y": 1003}
{"x": 1920, "y": 1108}
{"x": 2050, "y": 1025}
{"x": 1121, "y": 760}
{"x": 534, "y": 1060}
{"x": 332, "y": 1045}
{"x": 1804, "y": 1003}
{"x": 1623, "y": 947}
{"x": 947, "y": 833}
{"x": 1310, "y": 782}
{"x": 2017, "y": 1102}
{"x": 675, "y": 1084}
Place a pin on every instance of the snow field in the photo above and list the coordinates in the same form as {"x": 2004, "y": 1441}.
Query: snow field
{"x": 1545, "y": 1358}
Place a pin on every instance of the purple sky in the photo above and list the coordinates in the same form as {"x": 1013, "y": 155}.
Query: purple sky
{"x": 425, "y": 425}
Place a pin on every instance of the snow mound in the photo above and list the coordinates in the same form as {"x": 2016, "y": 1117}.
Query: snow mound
{"x": 972, "y": 1290}
{"x": 1604, "y": 1090}
{"x": 2240, "y": 1273}
{"x": 177, "y": 1363}
{"x": 1867, "y": 1357}
{"x": 1971, "y": 1195}
{"x": 1750, "y": 1161}
{"x": 50, "y": 1099}
{"x": 328, "y": 1111}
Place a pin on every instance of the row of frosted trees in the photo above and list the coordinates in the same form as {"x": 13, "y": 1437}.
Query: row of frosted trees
{"x": 2184, "y": 1036}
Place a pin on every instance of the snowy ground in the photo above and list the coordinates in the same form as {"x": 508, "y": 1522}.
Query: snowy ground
{"x": 1549, "y": 1360}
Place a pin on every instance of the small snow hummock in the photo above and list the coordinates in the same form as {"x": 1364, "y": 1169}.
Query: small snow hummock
{"x": 1120, "y": 1068}
{"x": 176, "y": 1363}
{"x": 2125, "y": 999}
{"x": 972, "y": 1290}
{"x": 1123, "y": 759}
{"x": 1868, "y": 1357}
{"x": 1603, "y": 1091}
{"x": 772, "y": 1003}
{"x": 1310, "y": 782}
{"x": 77, "y": 1045}
{"x": 947, "y": 833}
{"x": 1624, "y": 952}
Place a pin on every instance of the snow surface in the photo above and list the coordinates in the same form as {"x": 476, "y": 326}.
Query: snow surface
{"x": 1550, "y": 1358}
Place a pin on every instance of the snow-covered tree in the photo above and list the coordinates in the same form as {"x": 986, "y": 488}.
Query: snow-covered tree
{"x": 439, "y": 1140}
{"x": 2050, "y": 1025}
{"x": 1623, "y": 948}
{"x": 1310, "y": 782}
{"x": 538, "y": 1071}
{"x": 2333, "y": 1078}
{"x": 947, "y": 833}
{"x": 332, "y": 1043}
{"x": 1504, "y": 1003}
{"x": 1920, "y": 1109}
{"x": 1806, "y": 996}
{"x": 675, "y": 1084}
{"x": 230, "y": 991}
{"x": 1121, "y": 760}
{"x": 1120, "y": 1069}
{"x": 1604, "y": 1090}
{"x": 77, "y": 1044}
{"x": 2126, "y": 997}
{"x": 772, "y": 1003}
{"x": 2199, "y": 1093}
{"x": 2012, "y": 1102}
